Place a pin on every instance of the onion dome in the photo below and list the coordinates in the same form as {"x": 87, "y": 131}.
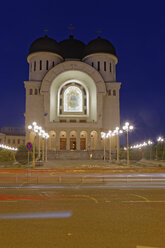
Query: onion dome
{"x": 72, "y": 48}
{"x": 45, "y": 44}
{"x": 99, "y": 45}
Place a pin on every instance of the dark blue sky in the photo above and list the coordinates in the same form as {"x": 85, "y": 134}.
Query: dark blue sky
{"x": 137, "y": 30}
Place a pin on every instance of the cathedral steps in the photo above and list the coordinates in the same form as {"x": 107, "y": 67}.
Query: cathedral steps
{"x": 74, "y": 155}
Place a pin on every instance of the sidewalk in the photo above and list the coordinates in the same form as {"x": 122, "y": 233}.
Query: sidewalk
{"x": 99, "y": 164}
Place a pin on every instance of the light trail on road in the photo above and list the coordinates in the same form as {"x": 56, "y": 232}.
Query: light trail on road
{"x": 36, "y": 215}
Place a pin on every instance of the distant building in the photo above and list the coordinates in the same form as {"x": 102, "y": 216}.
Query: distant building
{"x": 12, "y": 136}
{"x": 72, "y": 92}
{"x": 19, "y": 131}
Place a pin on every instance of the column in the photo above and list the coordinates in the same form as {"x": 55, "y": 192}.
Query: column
{"x": 57, "y": 141}
{"x": 50, "y": 142}
{"x": 68, "y": 140}
{"x": 43, "y": 152}
{"x": 78, "y": 140}
{"x": 88, "y": 141}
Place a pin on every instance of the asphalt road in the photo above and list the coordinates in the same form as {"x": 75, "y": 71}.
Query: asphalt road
{"x": 81, "y": 216}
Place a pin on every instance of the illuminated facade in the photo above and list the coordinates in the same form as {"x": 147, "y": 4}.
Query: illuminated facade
{"x": 72, "y": 92}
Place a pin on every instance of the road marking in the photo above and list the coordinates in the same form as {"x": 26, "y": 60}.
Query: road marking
{"x": 36, "y": 215}
{"x": 142, "y": 197}
{"x": 69, "y": 234}
{"x": 44, "y": 194}
{"x": 89, "y": 197}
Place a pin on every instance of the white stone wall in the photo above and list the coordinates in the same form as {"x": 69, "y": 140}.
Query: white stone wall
{"x": 34, "y": 103}
{"x": 12, "y": 140}
{"x": 111, "y": 113}
{"x": 104, "y": 63}
{"x": 40, "y": 63}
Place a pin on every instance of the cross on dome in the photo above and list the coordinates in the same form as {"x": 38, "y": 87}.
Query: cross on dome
{"x": 71, "y": 28}
{"x": 99, "y": 31}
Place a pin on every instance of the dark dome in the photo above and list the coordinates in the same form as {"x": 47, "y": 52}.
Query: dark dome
{"x": 72, "y": 48}
{"x": 45, "y": 44}
{"x": 99, "y": 45}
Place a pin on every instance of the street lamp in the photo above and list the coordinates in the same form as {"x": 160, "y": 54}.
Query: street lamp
{"x": 159, "y": 140}
{"x": 41, "y": 133}
{"x": 150, "y": 143}
{"x": 110, "y": 135}
{"x": 103, "y": 136}
{"x": 127, "y": 127}
{"x": 46, "y": 156}
{"x": 8, "y": 147}
{"x": 116, "y": 132}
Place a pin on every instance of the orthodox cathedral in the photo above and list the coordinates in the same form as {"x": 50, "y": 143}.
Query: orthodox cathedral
{"x": 72, "y": 92}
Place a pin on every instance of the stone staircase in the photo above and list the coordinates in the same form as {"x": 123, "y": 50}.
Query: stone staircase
{"x": 76, "y": 155}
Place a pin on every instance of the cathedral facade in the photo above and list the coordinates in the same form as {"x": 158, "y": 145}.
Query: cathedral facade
{"x": 72, "y": 92}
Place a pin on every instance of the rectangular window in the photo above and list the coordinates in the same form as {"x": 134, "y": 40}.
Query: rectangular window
{"x": 73, "y": 121}
{"x": 53, "y": 64}
{"x": 30, "y": 92}
{"x": 82, "y": 121}
{"x": 18, "y": 141}
{"x": 36, "y": 91}
{"x": 105, "y": 66}
{"x": 47, "y": 64}
{"x": 114, "y": 92}
{"x": 92, "y": 64}
{"x": 40, "y": 65}
{"x": 110, "y": 67}
{"x": 98, "y": 65}
{"x": 34, "y": 65}
{"x": 109, "y": 92}
{"x": 62, "y": 120}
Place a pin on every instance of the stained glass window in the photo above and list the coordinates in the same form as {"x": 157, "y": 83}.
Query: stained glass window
{"x": 73, "y": 99}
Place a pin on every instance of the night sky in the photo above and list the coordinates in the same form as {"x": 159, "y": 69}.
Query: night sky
{"x": 135, "y": 28}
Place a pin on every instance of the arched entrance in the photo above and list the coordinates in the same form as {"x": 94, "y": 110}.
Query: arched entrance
{"x": 73, "y": 140}
{"x": 62, "y": 140}
{"x": 83, "y": 139}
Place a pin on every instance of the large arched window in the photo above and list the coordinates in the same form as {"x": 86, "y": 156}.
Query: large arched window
{"x": 73, "y": 99}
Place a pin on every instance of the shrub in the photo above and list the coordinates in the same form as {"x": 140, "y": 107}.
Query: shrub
{"x": 7, "y": 156}
{"x": 22, "y": 155}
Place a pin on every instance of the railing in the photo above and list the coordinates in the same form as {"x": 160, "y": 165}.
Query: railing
{"x": 28, "y": 179}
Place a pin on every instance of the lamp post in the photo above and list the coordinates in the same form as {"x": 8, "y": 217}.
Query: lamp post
{"x": 103, "y": 135}
{"x": 41, "y": 133}
{"x": 159, "y": 140}
{"x": 127, "y": 127}
{"x": 116, "y": 132}
{"x": 46, "y": 153}
{"x": 109, "y": 135}
{"x": 43, "y": 155}
{"x": 150, "y": 143}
